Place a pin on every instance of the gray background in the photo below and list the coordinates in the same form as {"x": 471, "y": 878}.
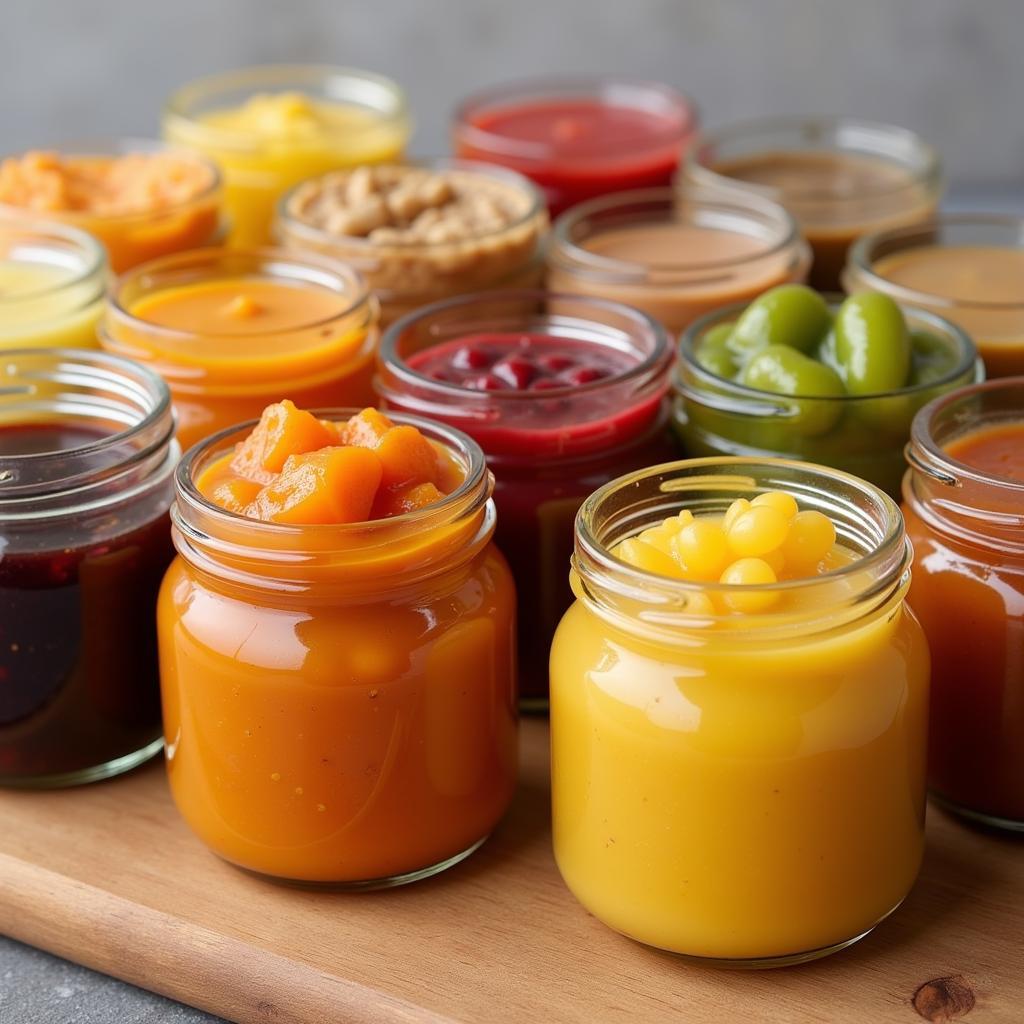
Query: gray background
{"x": 79, "y": 69}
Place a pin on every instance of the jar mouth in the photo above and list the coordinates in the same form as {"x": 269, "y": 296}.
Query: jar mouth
{"x": 113, "y": 148}
{"x": 611, "y": 91}
{"x": 867, "y": 521}
{"x": 867, "y": 249}
{"x": 94, "y": 388}
{"x": 62, "y": 244}
{"x": 197, "y": 515}
{"x": 348, "y": 86}
{"x": 367, "y": 248}
{"x": 729, "y": 210}
{"x": 196, "y": 264}
{"x": 820, "y": 134}
{"x": 961, "y": 408}
{"x": 528, "y": 310}
{"x": 731, "y": 396}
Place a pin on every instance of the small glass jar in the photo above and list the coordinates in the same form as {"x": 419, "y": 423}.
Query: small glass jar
{"x": 405, "y": 275}
{"x": 967, "y": 527}
{"x": 676, "y": 257}
{"x": 578, "y": 137}
{"x": 967, "y": 267}
{"x": 340, "y": 700}
{"x": 307, "y": 120}
{"x": 134, "y": 238}
{"x": 840, "y": 177}
{"x": 52, "y": 282}
{"x": 548, "y": 449}
{"x": 744, "y": 790}
{"x": 860, "y": 434}
{"x": 220, "y": 376}
{"x": 86, "y": 462}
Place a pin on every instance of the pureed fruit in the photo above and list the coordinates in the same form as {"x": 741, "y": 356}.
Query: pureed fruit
{"x": 738, "y": 711}
{"x": 338, "y": 648}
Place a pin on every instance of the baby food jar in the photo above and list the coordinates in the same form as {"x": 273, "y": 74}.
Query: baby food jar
{"x": 340, "y": 701}
{"x": 862, "y": 434}
{"x": 745, "y": 789}
{"x": 232, "y": 331}
{"x": 964, "y": 503}
{"x": 580, "y": 136}
{"x": 52, "y": 282}
{"x": 141, "y": 199}
{"x": 599, "y": 412}
{"x": 86, "y": 462}
{"x": 271, "y": 127}
{"x": 422, "y": 233}
{"x": 840, "y": 177}
{"x": 968, "y": 267}
{"x": 676, "y": 257}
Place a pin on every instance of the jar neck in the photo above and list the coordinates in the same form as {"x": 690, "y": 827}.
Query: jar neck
{"x": 660, "y": 610}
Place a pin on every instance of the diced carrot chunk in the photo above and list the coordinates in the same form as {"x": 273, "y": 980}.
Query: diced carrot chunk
{"x": 235, "y": 494}
{"x": 332, "y": 485}
{"x": 407, "y": 457}
{"x": 405, "y": 499}
{"x": 283, "y": 430}
{"x": 366, "y": 428}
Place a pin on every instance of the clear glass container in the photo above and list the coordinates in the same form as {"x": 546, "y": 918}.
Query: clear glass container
{"x": 676, "y": 257}
{"x": 86, "y": 462}
{"x": 746, "y": 790}
{"x": 967, "y": 267}
{"x": 548, "y": 449}
{"x": 840, "y": 177}
{"x": 340, "y": 700}
{"x": 967, "y": 526}
{"x": 52, "y": 282}
{"x": 406, "y": 275}
{"x": 310, "y": 120}
{"x": 860, "y": 434}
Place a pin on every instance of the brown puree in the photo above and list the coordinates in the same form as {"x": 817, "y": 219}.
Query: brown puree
{"x": 836, "y": 197}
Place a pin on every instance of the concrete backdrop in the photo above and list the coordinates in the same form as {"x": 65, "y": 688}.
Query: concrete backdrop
{"x": 951, "y": 69}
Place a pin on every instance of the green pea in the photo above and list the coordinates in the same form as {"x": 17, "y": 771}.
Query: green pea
{"x": 931, "y": 358}
{"x": 872, "y": 344}
{"x": 782, "y": 370}
{"x": 713, "y": 352}
{"x": 791, "y": 314}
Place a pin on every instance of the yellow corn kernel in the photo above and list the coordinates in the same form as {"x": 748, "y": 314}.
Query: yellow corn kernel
{"x": 738, "y": 507}
{"x": 780, "y": 500}
{"x": 810, "y": 538}
{"x": 758, "y": 530}
{"x": 647, "y": 557}
{"x": 702, "y": 548}
{"x": 748, "y": 572}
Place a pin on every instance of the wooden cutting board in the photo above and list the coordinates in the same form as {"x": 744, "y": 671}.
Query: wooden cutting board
{"x": 108, "y": 876}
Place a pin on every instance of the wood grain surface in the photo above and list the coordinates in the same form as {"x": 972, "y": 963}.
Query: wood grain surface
{"x": 110, "y": 877}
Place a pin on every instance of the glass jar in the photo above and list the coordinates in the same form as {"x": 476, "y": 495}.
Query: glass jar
{"x": 676, "y": 258}
{"x": 340, "y": 701}
{"x": 222, "y": 372}
{"x": 745, "y": 790}
{"x": 405, "y": 275}
{"x": 861, "y": 434}
{"x": 52, "y": 282}
{"x": 130, "y": 238}
{"x": 967, "y": 267}
{"x": 271, "y": 127}
{"x": 967, "y": 527}
{"x": 840, "y": 177}
{"x": 86, "y": 461}
{"x": 578, "y": 137}
{"x": 548, "y": 449}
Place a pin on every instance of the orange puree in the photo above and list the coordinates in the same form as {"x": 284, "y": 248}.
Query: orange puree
{"x": 998, "y": 450}
{"x": 140, "y": 205}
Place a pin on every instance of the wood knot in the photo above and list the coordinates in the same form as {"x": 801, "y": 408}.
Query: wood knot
{"x": 943, "y": 999}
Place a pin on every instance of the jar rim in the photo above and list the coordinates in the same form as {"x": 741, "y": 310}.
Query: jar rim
{"x": 860, "y": 259}
{"x": 389, "y": 357}
{"x": 42, "y": 231}
{"x": 178, "y": 108}
{"x": 813, "y": 128}
{"x": 550, "y": 87}
{"x": 742, "y": 398}
{"x": 567, "y": 254}
{"x": 308, "y": 232}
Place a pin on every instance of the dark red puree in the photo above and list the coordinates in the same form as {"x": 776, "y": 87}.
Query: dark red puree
{"x": 580, "y": 148}
{"x": 78, "y": 667}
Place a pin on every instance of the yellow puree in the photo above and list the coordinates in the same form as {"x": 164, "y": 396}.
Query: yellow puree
{"x": 40, "y": 307}
{"x": 273, "y": 141}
